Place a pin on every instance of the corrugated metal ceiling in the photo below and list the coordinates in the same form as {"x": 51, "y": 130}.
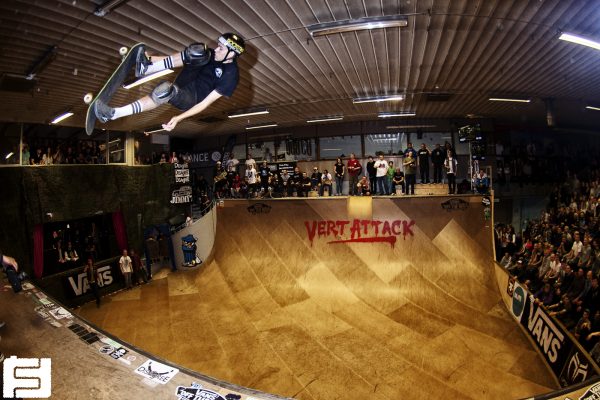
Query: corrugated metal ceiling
{"x": 466, "y": 48}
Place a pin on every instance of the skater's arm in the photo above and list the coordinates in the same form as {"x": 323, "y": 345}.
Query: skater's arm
{"x": 198, "y": 108}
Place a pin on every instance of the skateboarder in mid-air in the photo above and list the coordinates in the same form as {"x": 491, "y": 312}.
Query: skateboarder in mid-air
{"x": 207, "y": 74}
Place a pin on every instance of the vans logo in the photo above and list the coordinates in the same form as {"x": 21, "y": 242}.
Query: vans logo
{"x": 577, "y": 371}
{"x": 80, "y": 285}
{"x": 545, "y": 332}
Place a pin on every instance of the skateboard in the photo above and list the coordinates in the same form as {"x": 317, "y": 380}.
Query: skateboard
{"x": 112, "y": 84}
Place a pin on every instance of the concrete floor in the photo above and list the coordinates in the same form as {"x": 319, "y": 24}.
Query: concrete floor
{"x": 419, "y": 318}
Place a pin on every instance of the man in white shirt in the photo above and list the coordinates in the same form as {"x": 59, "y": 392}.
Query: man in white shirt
{"x": 572, "y": 256}
{"x": 250, "y": 161}
{"x": 251, "y": 175}
{"x": 231, "y": 163}
{"x": 381, "y": 166}
{"x": 126, "y": 270}
{"x": 326, "y": 183}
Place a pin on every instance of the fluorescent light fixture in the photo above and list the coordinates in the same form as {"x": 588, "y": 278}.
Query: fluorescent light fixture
{"x": 593, "y": 108}
{"x": 396, "y": 114}
{"x": 326, "y": 118}
{"x": 509, "y": 99}
{"x": 384, "y": 137}
{"x": 117, "y": 151}
{"x": 360, "y": 24}
{"x": 117, "y": 140}
{"x": 248, "y": 113}
{"x": 410, "y": 126}
{"x": 9, "y": 155}
{"x": 378, "y": 99}
{"x": 61, "y": 117}
{"x": 570, "y": 37}
{"x": 147, "y": 78}
{"x": 267, "y": 125}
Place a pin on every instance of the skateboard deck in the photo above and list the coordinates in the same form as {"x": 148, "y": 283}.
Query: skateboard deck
{"x": 112, "y": 85}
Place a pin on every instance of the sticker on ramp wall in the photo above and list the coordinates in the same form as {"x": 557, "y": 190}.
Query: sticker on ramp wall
{"x": 156, "y": 372}
{"x": 593, "y": 393}
{"x": 455, "y": 204}
{"x": 259, "y": 208}
{"x": 196, "y": 392}
{"x": 518, "y": 302}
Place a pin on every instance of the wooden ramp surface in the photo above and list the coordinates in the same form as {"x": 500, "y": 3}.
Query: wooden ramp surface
{"x": 417, "y": 318}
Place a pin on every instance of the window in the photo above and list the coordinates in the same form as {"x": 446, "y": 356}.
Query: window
{"x": 116, "y": 148}
{"x": 261, "y": 150}
{"x": 387, "y": 143}
{"x": 339, "y": 146}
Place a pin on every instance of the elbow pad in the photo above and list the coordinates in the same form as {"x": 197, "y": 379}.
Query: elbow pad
{"x": 196, "y": 54}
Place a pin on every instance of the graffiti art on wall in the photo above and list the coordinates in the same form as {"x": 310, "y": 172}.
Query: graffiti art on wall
{"x": 359, "y": 230}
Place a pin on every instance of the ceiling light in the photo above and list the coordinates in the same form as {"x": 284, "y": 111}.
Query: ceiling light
{"x": 9, "y": 155}
{"x": 61, "y": 117}
{"x": 410, "y": 126}
{"x": 396, "y": 114}
{"x": 360, "y": 24}
{"x": 147, "y": 78}
{"x": 267, "y": 125}
{"x": 509, "y": 99}
{"x": 378, "y": 99}
{"x": 569, "y": 37}
{"x": 593, "y": 108}
{"x": 327, "y": 118}
{"x": 248, "y": 113}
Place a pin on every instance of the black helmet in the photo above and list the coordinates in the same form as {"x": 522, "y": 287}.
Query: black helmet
{"x": 233, "y": 42}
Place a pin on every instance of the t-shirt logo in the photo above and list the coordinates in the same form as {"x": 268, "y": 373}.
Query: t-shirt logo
{"x": 218, "y": 72}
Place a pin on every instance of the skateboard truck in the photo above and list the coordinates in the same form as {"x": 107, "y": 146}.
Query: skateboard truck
{"x": 87, "y": 99}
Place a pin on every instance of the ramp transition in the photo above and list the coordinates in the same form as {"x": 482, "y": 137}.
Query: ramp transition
{"x": 327, "y": 298}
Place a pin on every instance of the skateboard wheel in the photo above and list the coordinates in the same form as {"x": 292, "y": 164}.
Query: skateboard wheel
{"x": 123, "y": 50}
{"x": 87, "y": 99}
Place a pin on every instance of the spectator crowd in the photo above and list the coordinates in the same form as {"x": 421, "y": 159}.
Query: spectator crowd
{"x": 377, "y": 177}
{"x": 557, "y": 257}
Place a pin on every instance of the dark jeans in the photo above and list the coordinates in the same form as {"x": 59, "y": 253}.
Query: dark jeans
{"x": 410, "y": 183}
{"x": 352, "y": 189}
{"x": 373, "y": 184}
{"x": 140, "y": 275}
{"x": 437, "y": 173}
{"x": 424, "y": 169}
{"x": 382, "y": 185}
{"x": 339, "y": 184}
{"x": 451, "y": 183}
{"x": 95, "y": 291}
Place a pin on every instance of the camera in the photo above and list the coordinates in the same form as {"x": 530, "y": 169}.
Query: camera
{"x": 15, "y": 278}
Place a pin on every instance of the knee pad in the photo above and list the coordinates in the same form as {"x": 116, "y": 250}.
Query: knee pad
{"x": 164, "y": 92}
{"x": 196, "y": 54}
